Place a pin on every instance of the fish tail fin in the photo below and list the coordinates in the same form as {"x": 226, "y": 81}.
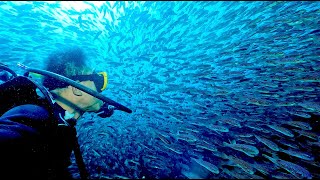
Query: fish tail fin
{"x": 218, "y": 133}
{"x": 224, "y": 156}
{"x": 233, "y": 141}
{"x": 268, "y": 157}
{"x": 275, "y": 156}
{"x": 225, "y": 144}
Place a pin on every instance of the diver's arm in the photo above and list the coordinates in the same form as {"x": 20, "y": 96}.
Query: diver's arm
{"x": 32, "y": 116}
{"x": 22, "y": 140}
{"x": 22, "y": 125}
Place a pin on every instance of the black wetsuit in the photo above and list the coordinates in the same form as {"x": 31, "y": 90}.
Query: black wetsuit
{"x": 30, "y": 147}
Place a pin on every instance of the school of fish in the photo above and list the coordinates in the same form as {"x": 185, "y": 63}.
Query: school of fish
{"x": 218, "y": 89}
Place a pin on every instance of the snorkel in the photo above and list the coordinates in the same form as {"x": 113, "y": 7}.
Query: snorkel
{"x": 73, "y": 83}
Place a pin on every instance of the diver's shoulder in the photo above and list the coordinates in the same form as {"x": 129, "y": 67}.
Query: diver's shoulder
{"x": 31, "y": 115}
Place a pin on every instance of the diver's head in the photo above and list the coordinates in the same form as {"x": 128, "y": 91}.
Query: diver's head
{"x": 72, "y": 63}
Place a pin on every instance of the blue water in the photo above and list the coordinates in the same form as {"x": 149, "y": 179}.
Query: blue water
{"x": 217, "y": 89}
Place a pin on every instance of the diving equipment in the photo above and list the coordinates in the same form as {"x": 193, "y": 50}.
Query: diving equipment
{"x": 99, "y": 79}
{"x": 105, "y": 111}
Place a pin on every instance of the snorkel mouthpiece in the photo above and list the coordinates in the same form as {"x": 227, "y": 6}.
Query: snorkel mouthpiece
{"x": 105, "y": 111}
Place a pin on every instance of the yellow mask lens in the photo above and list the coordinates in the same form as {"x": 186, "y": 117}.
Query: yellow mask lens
{"x": 105, "y": 80}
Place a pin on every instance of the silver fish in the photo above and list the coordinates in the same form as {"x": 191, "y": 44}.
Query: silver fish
{"x": 281, "y": 130}
{"x": 294, "y": 169}
{"x": 247, "y": 149}
{"x": 268, "y": 143}
{"x": 212, "y": 168}
{"x": 298, "y": 154}
{"x": 300, "y": 124}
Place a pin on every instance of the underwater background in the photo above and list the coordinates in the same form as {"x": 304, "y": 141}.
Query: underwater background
{"x": 217, "y": 89}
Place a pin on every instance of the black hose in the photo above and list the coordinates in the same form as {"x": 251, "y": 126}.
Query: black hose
{"x": 79, "y": 159}
{"x": 3, "y": 67}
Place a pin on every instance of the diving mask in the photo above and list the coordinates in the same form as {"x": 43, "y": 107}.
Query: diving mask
{"x": 100, "y": 79}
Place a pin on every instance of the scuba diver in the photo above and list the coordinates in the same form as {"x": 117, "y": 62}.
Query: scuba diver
{"x": 37, "y": 121}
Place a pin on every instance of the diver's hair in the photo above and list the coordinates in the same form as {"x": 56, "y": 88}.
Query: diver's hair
{"x": 68, "y": 62}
